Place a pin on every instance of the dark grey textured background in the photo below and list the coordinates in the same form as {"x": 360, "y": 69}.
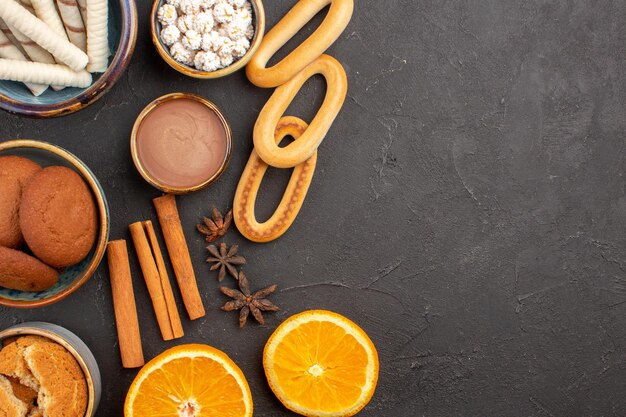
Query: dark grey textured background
{"x": 468, "y": 208}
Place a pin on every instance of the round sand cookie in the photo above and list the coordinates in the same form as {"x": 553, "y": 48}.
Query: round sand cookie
{"x": 62, "y": 385}
{"x": 20, "y": 271}
{"x": 58, "y": 217}
{"x": 15, "y": 172}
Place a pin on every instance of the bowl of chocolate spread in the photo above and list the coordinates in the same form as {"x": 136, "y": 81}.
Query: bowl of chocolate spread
{"x": 181, "y": 143}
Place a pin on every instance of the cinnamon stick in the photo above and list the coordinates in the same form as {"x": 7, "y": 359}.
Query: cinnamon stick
{"x": 172, "y": 310}
{"x": 124, "y": 305}
{"x": 179, "y": 254}
{"x": 152, "y": 278}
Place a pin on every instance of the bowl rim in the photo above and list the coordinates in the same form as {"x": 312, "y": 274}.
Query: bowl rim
{"x": 259, "y": 14}
{"x": 103, "y": 211}
{"x": 26, "y": 329}
{"x": 135, "y": 154}
{"x": 128, "y": 39}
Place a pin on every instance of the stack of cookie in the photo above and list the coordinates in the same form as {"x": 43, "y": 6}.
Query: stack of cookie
{"x": 48, "y": 221}
{"x": 39, "y": 377}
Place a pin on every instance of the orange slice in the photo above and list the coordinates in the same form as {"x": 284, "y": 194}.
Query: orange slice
{"x": 319, "y": 363}
{"x": 189, "y": 381}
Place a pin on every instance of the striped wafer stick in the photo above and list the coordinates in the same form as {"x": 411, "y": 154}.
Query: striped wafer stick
{"x": 35, "y": 52}
{"x": 98, "y": 35}
{"x": 65, "y": 52}
{"x": 7, "y": 32}
{"x": 36, "y": 72}
{"x": 28, "y": 5}
{"x": 47, "y": 12}
{"x": 82, "y": 6}
{"x": 9, "y": 51}
{"x": 73, "y": 21}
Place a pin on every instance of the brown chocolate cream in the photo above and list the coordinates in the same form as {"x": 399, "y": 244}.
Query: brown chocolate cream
{"x": 181, "y": 143}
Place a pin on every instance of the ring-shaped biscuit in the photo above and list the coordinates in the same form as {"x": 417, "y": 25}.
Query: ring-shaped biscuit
{"x": 325, "y": 35}
{"x": 299, "y": 151}
{"x": 290, "y": 204}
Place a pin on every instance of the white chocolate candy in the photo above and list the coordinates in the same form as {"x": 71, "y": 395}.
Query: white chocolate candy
{"x": 223, "y": 12}
{"x": 237, "y": 3}
{"x": 170, "y": 35}
{"x": 236, "y": 31}
{"x": 207, "y": 61}
{"x": 185, "y": 23}
{"x": 167, "y": 14}
{"x": 189, "y": 6}
{"x": 182, "y": 54}
{"x": 36, "y": 72}
{"x": 241, "y": 47}
{"x": 203, "y": 22}
{"x": 210, "y": 40}
{"x": 98, "y": 35}
{"x": 67, "y": 53}
{"x": 226, "y": 60}
{"x": 226, "y": 48}
{"x": 206, "y": 4}
{"x": 243, "y": 17}
{"x": 10, "y": 51}
{"x": 192, "y": 40}
{"x": 250, "y": 32}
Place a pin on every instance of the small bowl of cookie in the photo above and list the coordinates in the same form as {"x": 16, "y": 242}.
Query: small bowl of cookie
{"x": 46, "y": 370}
{"x": 207, "y": 38}
{"x": 54, "y": 223}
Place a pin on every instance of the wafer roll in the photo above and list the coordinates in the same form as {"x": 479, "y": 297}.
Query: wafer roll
{"x": 98, "y": 35}
{"x": 7, "y": 32}
{"x": 28, "y": 5}
{"x": 82, "y": 6}
{"x": 14, "y": 14}
{"x": 36, "y": 72}
{"x": 47, "y": 12}
{"x": 9, "y": 51}
{"x": 73, "y": 21}
{"x": 35, "y": 52}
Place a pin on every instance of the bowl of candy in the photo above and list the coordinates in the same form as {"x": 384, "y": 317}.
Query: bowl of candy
{"x": 207, "y": 38}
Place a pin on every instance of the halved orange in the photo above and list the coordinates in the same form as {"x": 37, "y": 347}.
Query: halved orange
{"x": 189, "y": 381}
{"x": 319, "y": 363}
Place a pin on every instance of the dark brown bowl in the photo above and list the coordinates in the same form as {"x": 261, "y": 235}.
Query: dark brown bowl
{"x": 15, "y": 98}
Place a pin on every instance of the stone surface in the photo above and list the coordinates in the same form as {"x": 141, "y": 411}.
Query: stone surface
{"x": 467, "y": 208}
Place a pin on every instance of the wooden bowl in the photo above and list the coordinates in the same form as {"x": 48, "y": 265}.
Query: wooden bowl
{"x": 16, "y": 98}
{"x": 73, "y": 277}
{"x": 76, "y": 347}
{"x": 259, "y": 31}
{"x": 155, "y": 182}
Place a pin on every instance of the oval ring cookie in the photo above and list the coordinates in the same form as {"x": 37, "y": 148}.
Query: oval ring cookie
{"x": 299, "y": 151}
{"x": 290, "y": 204}
{"x": 333, "y": 25}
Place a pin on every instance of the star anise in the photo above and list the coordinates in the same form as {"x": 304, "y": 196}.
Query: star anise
{"x": 225, "y": 259}
{"x": 249, "y": 302}
{"x": 215, "y": 227}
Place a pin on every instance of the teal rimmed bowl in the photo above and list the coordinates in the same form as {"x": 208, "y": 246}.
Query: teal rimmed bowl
{"x": 70, "y": 278}
{"x": 16, "y": 98}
